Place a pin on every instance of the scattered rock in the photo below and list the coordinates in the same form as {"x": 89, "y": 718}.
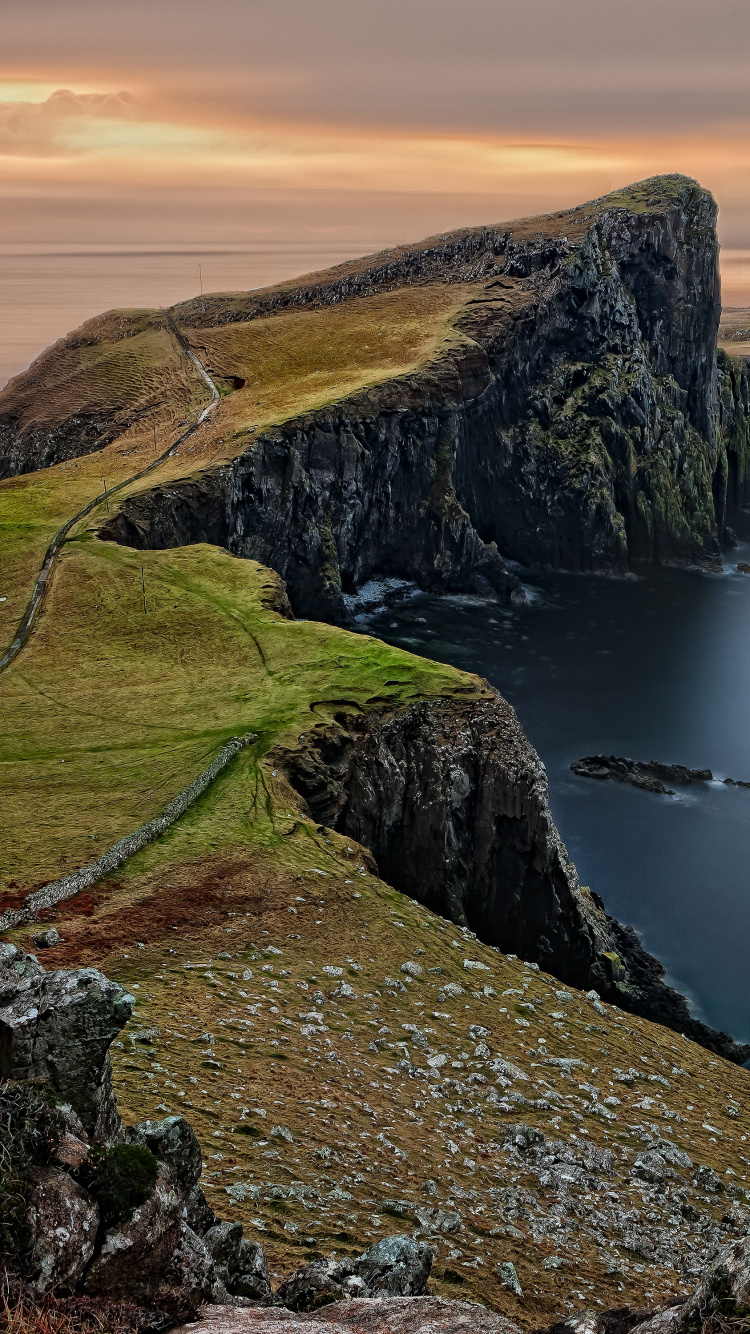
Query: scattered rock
{"x": 46, "y": 939}
{"x": 506, "y": 1272}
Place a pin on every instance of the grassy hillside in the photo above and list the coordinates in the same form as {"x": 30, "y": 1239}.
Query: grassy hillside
{"x": 331, "y": 1115}
{"x": 110, "y": 712}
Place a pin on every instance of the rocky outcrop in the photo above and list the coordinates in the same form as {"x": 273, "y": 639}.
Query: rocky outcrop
{"x": 57, "y": 1028}
{"x": 575, "y": 418}
{"x": 451, "y": 799}
{"x": 88, "y": 1209}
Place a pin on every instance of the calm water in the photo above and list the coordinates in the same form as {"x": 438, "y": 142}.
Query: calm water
{"x": 44, "y": 293}
{"x": 657, "y": 667}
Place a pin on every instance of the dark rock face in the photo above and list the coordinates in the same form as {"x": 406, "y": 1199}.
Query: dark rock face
{"x": 451, "y": 799}
{"x": 574, "y": 420}
{"x": 57, "y": 1028}
{"x": 734, "y": 423}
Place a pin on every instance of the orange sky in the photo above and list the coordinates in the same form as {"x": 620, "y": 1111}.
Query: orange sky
{"x": 360, "y": 121}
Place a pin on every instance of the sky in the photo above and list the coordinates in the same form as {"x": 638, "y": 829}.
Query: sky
{"x": 360, "y": 123}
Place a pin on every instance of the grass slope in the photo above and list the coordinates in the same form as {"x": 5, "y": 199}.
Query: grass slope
{"x": 330, "y": 1116}
{"x": 110, "y": 712}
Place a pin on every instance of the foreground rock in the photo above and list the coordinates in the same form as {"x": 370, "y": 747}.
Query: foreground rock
{"x": 112, "y": 1215}
{"x": 395, "y": 1315}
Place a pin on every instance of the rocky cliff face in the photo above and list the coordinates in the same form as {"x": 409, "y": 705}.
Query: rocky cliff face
{"x": 734, "y": 424}
{"x": 572, "y": 419}
{"x": 451, "y": 799}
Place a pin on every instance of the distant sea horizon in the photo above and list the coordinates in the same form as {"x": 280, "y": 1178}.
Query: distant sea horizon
{"x": 48, "y": 290}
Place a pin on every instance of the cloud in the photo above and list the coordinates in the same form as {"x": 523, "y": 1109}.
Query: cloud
{"x": 41, "y": 129}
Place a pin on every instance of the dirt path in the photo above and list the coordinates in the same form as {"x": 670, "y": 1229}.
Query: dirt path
{"x": 31, "y": 613}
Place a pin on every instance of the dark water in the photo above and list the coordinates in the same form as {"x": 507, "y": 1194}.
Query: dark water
{"x": 656, "y": 667}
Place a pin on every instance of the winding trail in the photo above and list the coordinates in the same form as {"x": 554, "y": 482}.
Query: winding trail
{"x": 31, "y": 613}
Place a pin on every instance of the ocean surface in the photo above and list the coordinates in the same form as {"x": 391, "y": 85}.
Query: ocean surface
{"x": 652, "y": 667}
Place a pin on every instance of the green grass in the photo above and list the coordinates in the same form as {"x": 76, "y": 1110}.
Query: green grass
{"x": 110, "y": 712}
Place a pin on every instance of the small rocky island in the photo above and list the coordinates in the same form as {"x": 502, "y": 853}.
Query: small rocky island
{"x": 650, "y": 775}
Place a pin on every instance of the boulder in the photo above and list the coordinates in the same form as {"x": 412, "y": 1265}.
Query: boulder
{"x": 62, "y": 1221}
{"x": 198, "y": 1212}
{"x": 223, "y": 1242}
{"x": 396, "y": 1266}
{"x": 314, "y": 1285}
{"x": 57, "y": 1027}
{"x": 154, "y": 1258}
{"x": 174, "y": 1143}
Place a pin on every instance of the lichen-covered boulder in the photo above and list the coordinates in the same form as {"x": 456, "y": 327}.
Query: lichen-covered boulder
{"x": 62, "y": 1221}
{"x": 314, "y": 1285}
{"x": 396, "y": 1266}
{"x": 198, "y": 1212}
{"x": 57, "y": 1027}
{"x": 223, "y": 1242}
{"x": 173, "y": 1141}
{"x": 154, "y": 1258}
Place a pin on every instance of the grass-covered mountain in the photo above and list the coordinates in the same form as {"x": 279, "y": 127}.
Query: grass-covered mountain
{"x": 547, "y": 390}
